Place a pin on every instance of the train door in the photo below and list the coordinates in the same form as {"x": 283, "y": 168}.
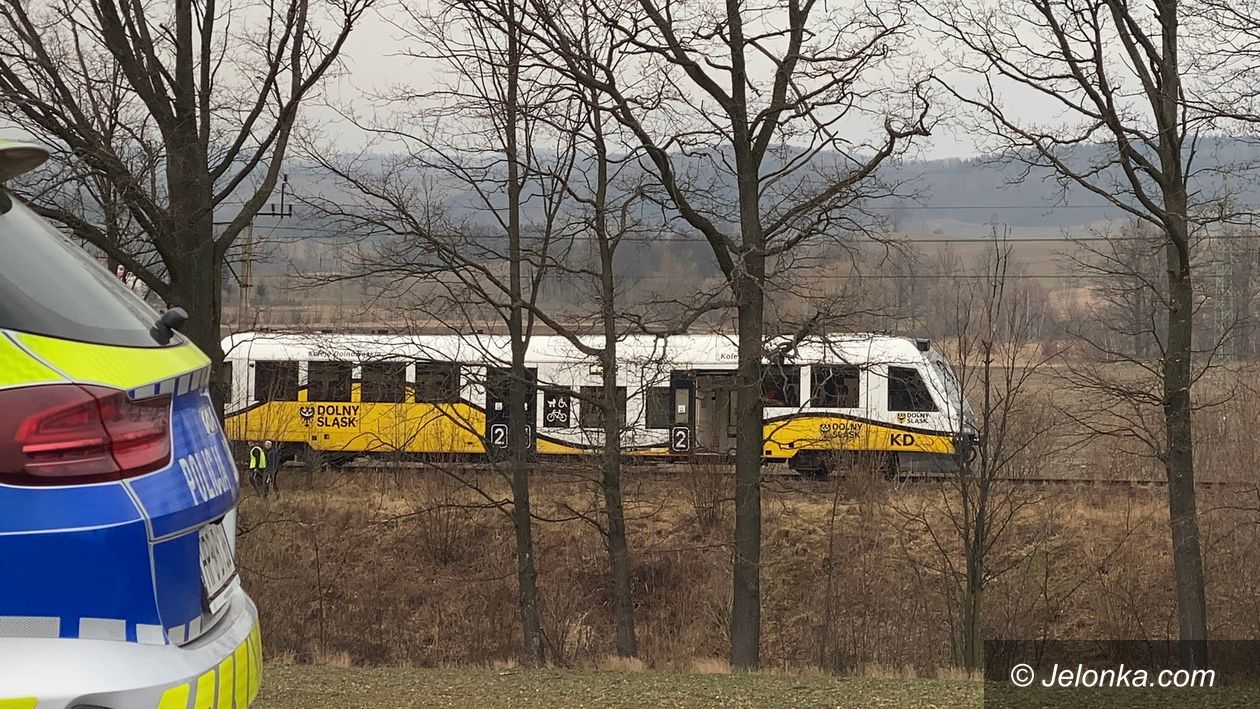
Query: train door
{"x": 498, "y": 408}
{"x": 683, "y": 402}
{"x": 715, "y": 412}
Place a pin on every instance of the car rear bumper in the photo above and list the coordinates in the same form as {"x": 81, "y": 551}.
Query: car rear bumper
{"x": 220, "y": 669}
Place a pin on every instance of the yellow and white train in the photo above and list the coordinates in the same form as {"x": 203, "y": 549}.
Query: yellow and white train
{"x": 348, "y": 394}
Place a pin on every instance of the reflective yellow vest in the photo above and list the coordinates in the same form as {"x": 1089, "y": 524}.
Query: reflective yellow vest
{"x": 257, "y": 458}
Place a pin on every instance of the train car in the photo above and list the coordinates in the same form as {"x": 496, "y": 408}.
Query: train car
{"x": 893, "y": 399}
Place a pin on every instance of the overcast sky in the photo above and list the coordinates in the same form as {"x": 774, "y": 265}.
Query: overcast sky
{"x": 372, "y": 64}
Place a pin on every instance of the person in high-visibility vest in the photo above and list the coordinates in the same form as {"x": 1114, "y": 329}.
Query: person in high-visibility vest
{"x": 272, "y": 468}
{"x": 258, "y": 469}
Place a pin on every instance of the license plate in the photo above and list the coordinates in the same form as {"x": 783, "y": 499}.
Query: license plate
{"x": 217, "y": 565}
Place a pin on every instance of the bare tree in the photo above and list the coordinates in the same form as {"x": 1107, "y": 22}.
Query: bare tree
{"x": 606, "y": 231}
{"x": 182, "y": 109}
{"x": 605, "y": 218}
{"x": 1232, "y": 255}
{"x": 1227, "y": 61}
{"x": 1133, "y": 117}
{"x": 1124, "y": 268}
{"x": 995, "y": 322}
{"x": 483, "y": 142}
{"x": 76, "y": 188}
{"x": 739, "y": 110}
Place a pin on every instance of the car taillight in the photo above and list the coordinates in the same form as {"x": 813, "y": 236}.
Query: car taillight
{"x": 65, "y": 434}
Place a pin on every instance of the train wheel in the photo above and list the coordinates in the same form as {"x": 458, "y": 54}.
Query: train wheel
{"x": 887, "y": 465}
{"x": 809, "y": 465}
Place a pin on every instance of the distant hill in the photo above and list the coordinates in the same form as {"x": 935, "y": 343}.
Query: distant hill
{"x": 980, "y": 191}
{"x": 943, "y": 198}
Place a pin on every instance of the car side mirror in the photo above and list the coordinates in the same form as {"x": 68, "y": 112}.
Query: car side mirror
{"x": 166, "y": 325}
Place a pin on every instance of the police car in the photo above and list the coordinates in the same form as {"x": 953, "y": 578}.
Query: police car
{"x": 117, "y": 492}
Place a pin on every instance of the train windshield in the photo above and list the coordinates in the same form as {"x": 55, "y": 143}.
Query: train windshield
{"x": 953, "y": 390}
{"x": 952, "y": 387}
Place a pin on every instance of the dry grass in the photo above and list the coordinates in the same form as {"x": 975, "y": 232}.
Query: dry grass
{"x": 284, "y": 658}
{"x": 876, "y": 670}
{"x": 614, "y": 663}
{"x": 957, "y": 674}
{"x": 369, "y": 569}
{"x": 711, "y": 666}
{"x": 789, "y": 671}
{"x": 339, "y": 660}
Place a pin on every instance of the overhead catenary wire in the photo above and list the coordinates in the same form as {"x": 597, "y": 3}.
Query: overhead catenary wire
{"x": 904, "y": 238}
{"x": 827, "y": 277}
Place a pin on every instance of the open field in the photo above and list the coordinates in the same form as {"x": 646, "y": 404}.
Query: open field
{"x": 408, "y": 568}
{"x": 305, "y": 686}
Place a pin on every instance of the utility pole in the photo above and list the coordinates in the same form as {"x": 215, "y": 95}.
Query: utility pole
{"x": 279, "y": 212}
{"x": 1233, "y": 255}
{"x": 247, "y": 273}
{"x": 1242, "y": 291}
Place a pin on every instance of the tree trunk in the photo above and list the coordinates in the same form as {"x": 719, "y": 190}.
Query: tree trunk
{"x": 974, "y": 489}
{"x": 614, "y": 505}
{"x": 973, "y": 602}
{"x": 1139, "y": 311}
{"x": 519, "y": 460}
{"x": 196, "y": 286}
{"x": 748, "y": 286}
{"x": 1179, "y": 462}
{"x": 194, "y": 263}
{"x": 519, "y": 434}
{"x": 1179, "y": 458}
{"x": 746, "y": 582}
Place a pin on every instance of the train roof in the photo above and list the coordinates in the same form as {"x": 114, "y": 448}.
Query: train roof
{"x": 717, "y": 349}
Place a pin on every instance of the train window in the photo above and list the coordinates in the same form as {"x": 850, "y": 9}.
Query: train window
{"x": 384, "y": 382}
{"x": 659, "y": 405}
{"x": 437, "y": 383}
{"x": 682, "y": 406}
{"x": 329, "y": 381}
{"x": 275, "y": 381}
{"x": 781, "y": 386}
{"x": 591, "y": 415}
{"x": 836, "y": 387}
{"x": 907, "y": 392}
{"x": 498, "y": 385}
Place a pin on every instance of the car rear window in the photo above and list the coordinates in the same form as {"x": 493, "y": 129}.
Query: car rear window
{"x": 49, "y": 286}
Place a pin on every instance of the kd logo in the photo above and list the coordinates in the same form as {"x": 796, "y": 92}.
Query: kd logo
{"x": 902, "y": 439}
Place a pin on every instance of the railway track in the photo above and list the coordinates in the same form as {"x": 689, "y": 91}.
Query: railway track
{"x": 796, "y": 484}
{"x": 1085, "y": 482}
{"x": 772, "y": 475}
